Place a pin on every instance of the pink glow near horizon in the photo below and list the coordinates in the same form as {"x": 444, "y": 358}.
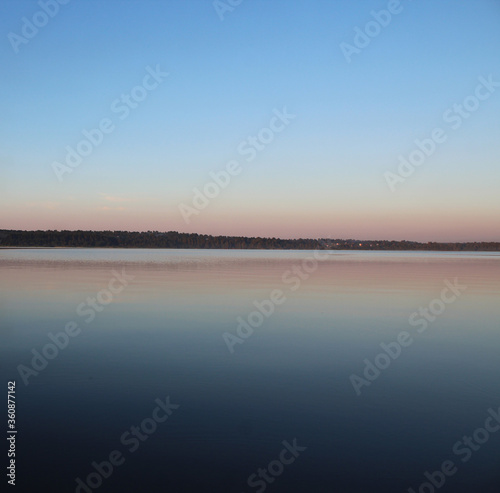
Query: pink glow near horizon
{"x": 416, "y": 228}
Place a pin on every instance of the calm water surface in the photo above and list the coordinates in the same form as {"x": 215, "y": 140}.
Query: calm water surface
{"x": 165, "y": 332}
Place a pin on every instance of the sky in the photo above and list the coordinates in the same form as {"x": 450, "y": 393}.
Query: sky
{"x": 117, "y": 115}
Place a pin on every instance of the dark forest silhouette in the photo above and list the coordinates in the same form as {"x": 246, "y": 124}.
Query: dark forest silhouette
{"x": 173, "y": 239}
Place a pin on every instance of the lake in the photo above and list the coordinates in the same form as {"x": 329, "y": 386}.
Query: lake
{"x": 250, "y": 370}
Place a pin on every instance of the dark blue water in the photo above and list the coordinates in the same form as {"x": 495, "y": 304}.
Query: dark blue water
{"x": 272, "y": 410}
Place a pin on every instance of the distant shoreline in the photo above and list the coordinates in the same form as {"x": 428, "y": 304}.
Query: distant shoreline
{"x": 175, "y": 240}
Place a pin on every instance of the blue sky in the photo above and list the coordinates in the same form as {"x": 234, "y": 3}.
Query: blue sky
{"x": 322, "y": 175}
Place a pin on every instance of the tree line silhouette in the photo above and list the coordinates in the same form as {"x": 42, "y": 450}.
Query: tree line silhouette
{"x": 174, "y": 239}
